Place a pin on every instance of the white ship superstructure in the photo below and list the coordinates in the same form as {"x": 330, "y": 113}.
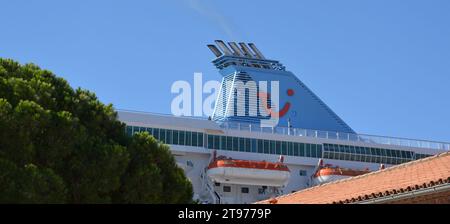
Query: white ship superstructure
{"x": 233, "y": 159}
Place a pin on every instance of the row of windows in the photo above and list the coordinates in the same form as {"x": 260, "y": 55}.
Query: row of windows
{"x": 330, "y": 151}
{"x": 364, "y": 158}
{"x": 264, "y": 146}
{"x": 173, "y": 137}
{"x": 368, "y": 151}
{"x": 421, "y": 156}
{"x": 367, "y": 154}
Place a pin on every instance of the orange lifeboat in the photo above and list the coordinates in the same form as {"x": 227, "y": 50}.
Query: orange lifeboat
{"x": 248, "y": 172}
{"x": 327, "y": 173}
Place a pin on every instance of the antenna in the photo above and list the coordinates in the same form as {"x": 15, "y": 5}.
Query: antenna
{"x": 236, "y": 49}
{"x": 214, "y": 49}
{"x": 246, "y": 50}
{"x": 224, "y": 47}
{"x": 257, "y": 52}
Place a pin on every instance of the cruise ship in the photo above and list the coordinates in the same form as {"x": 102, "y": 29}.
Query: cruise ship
{"x": 238, "y": 156}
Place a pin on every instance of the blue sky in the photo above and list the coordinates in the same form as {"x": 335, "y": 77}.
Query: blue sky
{"x": 382, "y": 66}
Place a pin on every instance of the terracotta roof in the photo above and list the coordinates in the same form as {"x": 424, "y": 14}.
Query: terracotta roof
{"x": 403, "y": 178}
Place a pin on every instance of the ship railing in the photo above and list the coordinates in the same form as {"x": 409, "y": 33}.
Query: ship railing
{"x": 351, "y": 137}
{"x": 160, "y": 114}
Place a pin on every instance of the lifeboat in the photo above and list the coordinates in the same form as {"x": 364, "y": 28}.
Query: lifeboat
{"x": 328, "y": 173}
{"x": 248, "y": 172}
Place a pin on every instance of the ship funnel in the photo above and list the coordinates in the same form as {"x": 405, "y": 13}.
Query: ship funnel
{"x": 224, "y": 47}
{"x": 215, "y": 51}
{"x": 257, "y": 52}
{"x": 236, "y": 49}
{"x": 246, "y": 50}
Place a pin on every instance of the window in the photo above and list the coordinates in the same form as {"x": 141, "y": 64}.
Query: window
{"x": 189, "y": 138}
{"x": 341, "y": 148}
{"x": 327, "y": 155}
{"x": 235, "y": 144}
{"x": 409, "y": 154}
{"x": 378, "y": 152}
{"x": 404, "y": 154}
{"x": 216, "y": 142}
{"x": 319, "y": 151}
{"x": 302, "y": 149}
{"x": 149, "y": 130}
{"x": 169, "y": 134}
{"x": 181, "y": 138}
{"x": 229, "y": 143}
{"x": 296, "y": 148}
{"x": 278, "y": 147}
{"x": 260, "y": 146}
{"x": 273, "y": 147}
{"x": 302, "y": 172}
{"x": 266, "y": 146}
{"x": 389, "y": 161}
{"x": 290, "y": 148}
{"x": 162, "y": 135}
{"x": 363, "y": 158}
{"x": 313, "y": 151}
{"x": 194, "y": 139}
{"x": 346, "y": 156}
{"x": 223, "y": 142}
{"x": 217, "y": 184}
{"x": 247, "y": 145}
{"x": 200, "y": 139}
{"x": 341, "y": 156}
{"x": 346, "y": 149}
{"x": 129, "y": 130}
{"x": 352, "y": 150}
{"x": 377, "y": 159}
{"x": 284, "y": 148}
{"x": 156, "y": 133}
{"x": 330, "y": 148}
{"x": 245, "y": 190}
{"x": 373, "y": 159}
{"x": 210, "y": 141}
{"x": 242, "y": 144}
{"x": 254, "y": 146}
{"x": 308, "y": 150}
{"x": 395, "y": 153}
{"x": 388, "y": 152}
{"x": 175, "y": 137}
{"x": 383, "y": 152}
{"x": 226, "y": 189}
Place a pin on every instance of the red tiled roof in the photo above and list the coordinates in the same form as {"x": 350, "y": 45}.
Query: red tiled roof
{"x": 402, "y": 178}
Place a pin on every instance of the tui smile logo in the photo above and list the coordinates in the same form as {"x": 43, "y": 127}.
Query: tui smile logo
{"x": 283, "y": 111}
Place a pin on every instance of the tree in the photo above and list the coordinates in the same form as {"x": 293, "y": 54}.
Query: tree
{"x": 60, "y": 145}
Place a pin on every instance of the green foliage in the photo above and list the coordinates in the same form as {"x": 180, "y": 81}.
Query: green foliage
{"x": 60, "y": 145}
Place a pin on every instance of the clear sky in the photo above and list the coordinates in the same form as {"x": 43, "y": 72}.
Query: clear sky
{"x": 382, "y": 65}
